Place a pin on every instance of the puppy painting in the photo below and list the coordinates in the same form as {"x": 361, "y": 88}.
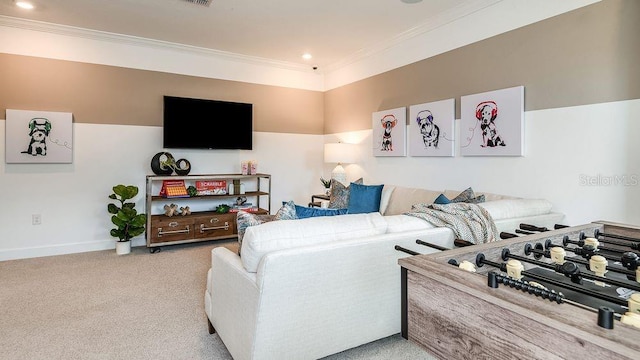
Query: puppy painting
{"x": 39, "y": 129}
{"x": 38, "y": 137}
{"x": 430, "y": 131}
{"x": 388, "y": 123}
{"x": 486, "y": 113}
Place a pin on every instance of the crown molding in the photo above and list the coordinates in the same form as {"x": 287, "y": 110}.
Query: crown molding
{"x": 434, "y": 22}
{"x": 75, "y": 32}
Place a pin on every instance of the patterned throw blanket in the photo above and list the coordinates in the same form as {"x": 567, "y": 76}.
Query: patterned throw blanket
{"x": 469, "y": 222}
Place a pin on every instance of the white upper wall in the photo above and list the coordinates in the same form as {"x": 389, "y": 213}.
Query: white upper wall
{"x": 31, "y": 38}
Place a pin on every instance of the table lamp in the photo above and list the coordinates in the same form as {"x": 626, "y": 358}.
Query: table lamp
{"x": 339, "y": 153}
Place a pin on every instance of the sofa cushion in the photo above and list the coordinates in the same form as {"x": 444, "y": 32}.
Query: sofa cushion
{"x": 514, "y": 208}
{"x": 387, "y": 190}
{"x": 403, "y": 198}
{"x": 303, "y": 212}
{"x": 246, "y": 219}
{"x": 364, "y": 198}
{"x": 279, "y": 235}
{"x": 402, "y": 223}
{"x": 339, "y": 196}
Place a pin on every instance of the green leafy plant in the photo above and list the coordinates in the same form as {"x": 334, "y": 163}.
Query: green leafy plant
{"x": 129, "y": 223}
{"x": 326, "y": 183}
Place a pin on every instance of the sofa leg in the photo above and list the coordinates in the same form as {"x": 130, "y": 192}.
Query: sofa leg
{"x": 212, "y": 330}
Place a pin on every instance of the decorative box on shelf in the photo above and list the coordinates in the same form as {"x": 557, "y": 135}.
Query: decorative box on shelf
{"x": 173, "y": 189}
{"x": 212, "y": 187}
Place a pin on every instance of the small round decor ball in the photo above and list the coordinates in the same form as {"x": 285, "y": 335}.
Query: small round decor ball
{"x": 183, "y": 167}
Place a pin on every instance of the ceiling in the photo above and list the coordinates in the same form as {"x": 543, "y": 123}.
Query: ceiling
{"x": 333, "y": 31}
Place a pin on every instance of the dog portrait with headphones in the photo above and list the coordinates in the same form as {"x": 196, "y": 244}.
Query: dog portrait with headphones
{"x": 430, "y": 131}
{"x": 388, "y": 123}
{"x": 486, "y": 113}
{"x": 39, "y": 129}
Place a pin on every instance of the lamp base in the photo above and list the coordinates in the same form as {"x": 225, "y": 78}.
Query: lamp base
{"x": 339, "y": 174}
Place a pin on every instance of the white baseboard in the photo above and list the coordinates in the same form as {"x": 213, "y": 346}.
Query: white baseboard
{"x": 40, "y": 251}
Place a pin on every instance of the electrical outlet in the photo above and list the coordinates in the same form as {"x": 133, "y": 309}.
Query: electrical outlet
{"x": 36, "y": 219}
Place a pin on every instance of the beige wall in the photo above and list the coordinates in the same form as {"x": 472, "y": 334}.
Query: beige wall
{"x": 590, "y": 55}
{"x": 102, "y": 94}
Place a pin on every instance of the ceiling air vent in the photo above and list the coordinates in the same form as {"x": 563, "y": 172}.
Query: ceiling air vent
{"x": 200, "y": 2}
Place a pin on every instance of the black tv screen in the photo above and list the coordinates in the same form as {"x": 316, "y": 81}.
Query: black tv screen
{"x": 207, "y": 124}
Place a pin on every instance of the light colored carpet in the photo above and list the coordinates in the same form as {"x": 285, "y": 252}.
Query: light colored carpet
{"x": 99, "y": 305}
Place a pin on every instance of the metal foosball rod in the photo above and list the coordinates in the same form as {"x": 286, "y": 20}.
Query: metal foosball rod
{"x": 593, "y": 242}
{"x": 597, "y": 234}
{"x": 433, "y": 246}
{"x": 569, "y": 269}
{"x": 626, "y": 243}
{"x": 524, "y": 232}
{"x": 529, "y": 227}
{"x": 606, "y": 315}
{"x": 481, "y": 260}
{"x": 538, "y": 252}
{"x": 586, "y": 251}
{"x": 506, "y": 235}
{"x": 405, "y": 250}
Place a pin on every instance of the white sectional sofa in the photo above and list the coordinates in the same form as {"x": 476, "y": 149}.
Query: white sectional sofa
{"x": 308, "y": 288}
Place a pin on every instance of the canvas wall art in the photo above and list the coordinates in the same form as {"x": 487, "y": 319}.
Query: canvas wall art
{"x": 431, "y": 128}
{"x": 38, "y": 137}
{"x": 390, "y": 132}
{"x": 492, "y": 123}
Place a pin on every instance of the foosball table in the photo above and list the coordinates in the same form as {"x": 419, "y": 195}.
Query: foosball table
{"x": 566, "y": 293}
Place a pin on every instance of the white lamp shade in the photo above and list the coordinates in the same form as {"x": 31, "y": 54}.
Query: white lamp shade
{"x": 340, "y": 153}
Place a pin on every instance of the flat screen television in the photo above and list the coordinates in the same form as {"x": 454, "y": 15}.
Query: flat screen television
{"x": 207, "y": 124}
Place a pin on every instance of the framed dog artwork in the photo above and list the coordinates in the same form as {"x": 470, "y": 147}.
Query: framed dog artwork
{"x": 431, "y": 128}
{"x": 38, "y": 137}
{"x": 389, "y": 132}
{"x": 492, "y": 123}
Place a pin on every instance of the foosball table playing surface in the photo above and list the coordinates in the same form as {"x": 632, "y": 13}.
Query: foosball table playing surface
{"x": 568, "y": 293}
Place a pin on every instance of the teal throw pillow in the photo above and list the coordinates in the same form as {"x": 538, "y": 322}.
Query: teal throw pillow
{"x": 364, "y": 198}
{"x": 303, "y": 212}
{"x": 442, "y": 200}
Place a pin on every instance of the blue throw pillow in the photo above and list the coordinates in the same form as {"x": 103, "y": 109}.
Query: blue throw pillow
{"x": 364, "y": 198}
{"x": 442, "y": 200}
{"x": 306, "y": 212}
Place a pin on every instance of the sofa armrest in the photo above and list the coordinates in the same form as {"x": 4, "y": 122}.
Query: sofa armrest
{"x": 234, "y": 301}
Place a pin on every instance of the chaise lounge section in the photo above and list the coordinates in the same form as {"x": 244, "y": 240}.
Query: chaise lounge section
{"x": 308, "y": 288}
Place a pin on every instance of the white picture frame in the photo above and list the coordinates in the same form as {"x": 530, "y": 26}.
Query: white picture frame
{"x": 38, "y": 137}
{"x": 431, "y": 128}
{"x": 389, "y": 132}
{"x": 492, "y": 123}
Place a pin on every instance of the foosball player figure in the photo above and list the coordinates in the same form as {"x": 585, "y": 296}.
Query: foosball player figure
{"x": 557, "y": 255}
{"x": 514, "y": 269}
{"x": 592, "y": 241}
{"x": 632, "y": 317}
{"x": 598, "y": 265}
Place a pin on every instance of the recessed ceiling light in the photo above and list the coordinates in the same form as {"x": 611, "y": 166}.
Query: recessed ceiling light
{"x": 306, "y": 56}
{"x": 24, "y": 5}
{"x": 411, "y": 1}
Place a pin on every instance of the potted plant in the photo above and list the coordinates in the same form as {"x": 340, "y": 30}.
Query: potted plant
{"x": 129, "y": 223}
{"x": 327, "y": 185}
